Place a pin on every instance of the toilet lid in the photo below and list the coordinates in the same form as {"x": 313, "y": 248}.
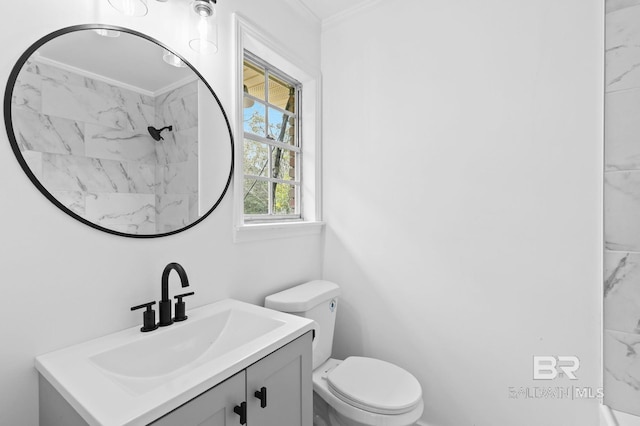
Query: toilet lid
{"x": 374, "y": 385}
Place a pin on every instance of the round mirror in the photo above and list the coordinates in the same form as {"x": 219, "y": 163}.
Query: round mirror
{"x": 118, "y": 131}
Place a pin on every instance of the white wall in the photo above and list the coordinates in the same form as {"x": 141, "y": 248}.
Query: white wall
{"x": 63, "y": 282}
{"x": 463, "y": 169}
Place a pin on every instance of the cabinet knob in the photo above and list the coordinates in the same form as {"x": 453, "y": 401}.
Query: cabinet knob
{"x": 241, "y": 410}
{"x": 262, "y": 396}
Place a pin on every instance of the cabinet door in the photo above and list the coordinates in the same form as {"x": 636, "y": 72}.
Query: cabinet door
{"x": 286, "y": 377}
{"x": 212, "y": 408}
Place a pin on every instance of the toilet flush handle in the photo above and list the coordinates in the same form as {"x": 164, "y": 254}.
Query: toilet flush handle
{"x": 262, "y": 396}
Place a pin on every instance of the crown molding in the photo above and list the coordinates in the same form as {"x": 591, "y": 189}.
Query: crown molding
{"x": 299, "y": 5}
{"x": 89, "y": 74}
{"x": 339, "y": 17}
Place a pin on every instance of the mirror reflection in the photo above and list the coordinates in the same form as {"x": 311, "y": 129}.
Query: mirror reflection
{"x": 119, "y": 132}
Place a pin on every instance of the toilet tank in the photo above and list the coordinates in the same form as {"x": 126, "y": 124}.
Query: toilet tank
{"x": 316, "y": 300}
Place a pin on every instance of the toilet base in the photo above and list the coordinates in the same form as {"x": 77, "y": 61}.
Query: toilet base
{"x": 326, "y": 415}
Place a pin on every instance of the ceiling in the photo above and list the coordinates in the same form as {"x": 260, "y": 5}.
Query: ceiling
{"x": 128, "y": 58}
{"x": 138, "y": 62}
{"x": 324, "y": 9}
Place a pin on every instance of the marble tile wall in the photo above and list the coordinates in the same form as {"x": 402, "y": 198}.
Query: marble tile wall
{"x": 177, "y": 156}
{"x": 87, "y": 143}
{"x": 613, "y": 5}
{"x": 622, "y": 207}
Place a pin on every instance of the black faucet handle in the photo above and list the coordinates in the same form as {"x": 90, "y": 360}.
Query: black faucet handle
{"x": 144, "y": 305}
{"x": 180, "y": 306}
{"x": 149, "y": 316}
{"x": 180, "y": 296}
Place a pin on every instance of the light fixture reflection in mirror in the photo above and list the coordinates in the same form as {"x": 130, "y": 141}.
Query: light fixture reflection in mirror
{"x": 247, "y": 102}
{"x": 108, "y": 33}
{"x": 78, "y": 109}
{"x": 130, "y": 7}
{"x": 173, "y": 60}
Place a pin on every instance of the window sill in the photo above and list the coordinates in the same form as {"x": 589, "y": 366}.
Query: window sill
{"x": 266, "y": 231}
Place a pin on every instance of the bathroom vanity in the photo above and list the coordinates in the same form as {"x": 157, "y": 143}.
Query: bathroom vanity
{"x": 231, "y": 363}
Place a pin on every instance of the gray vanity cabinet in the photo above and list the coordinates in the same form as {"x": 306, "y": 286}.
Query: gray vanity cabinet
{"x": 277, "y": 391}
{"x": 282, "y": 381}
{"x": 284, "y": 376}
{"x": 212, "y": 408}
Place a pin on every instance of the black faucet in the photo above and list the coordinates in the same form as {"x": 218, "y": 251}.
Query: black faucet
{"x": 165, "y": 303}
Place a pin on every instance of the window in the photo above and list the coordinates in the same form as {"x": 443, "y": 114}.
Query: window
{"x": 277, "y": 185}
{"x": 271, "y": 143}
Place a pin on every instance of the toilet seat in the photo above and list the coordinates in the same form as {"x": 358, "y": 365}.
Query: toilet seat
{"x": 375, "y": 386}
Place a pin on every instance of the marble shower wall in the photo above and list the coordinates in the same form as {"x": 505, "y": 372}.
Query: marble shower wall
{"x": 622, "y": 207}
{"x": 87, "y": 143}
{"x": 177, "y": 156}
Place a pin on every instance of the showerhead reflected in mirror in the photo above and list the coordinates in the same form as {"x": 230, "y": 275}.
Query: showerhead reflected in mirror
{"x": 156, "y": 134}
{"x": 116, "y": 137}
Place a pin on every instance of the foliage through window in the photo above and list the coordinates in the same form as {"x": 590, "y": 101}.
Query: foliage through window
{"x": 271, "y": 142}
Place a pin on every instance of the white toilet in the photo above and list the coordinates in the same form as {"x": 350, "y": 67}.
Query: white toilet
{"x": 357, "y": 391}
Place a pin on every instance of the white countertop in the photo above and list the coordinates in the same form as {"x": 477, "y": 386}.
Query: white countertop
{"x": 101, "y": 398}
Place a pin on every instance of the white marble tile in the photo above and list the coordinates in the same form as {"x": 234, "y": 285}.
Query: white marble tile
{"x": 185, "y": 90}
{"x": 63, "y": 77}
{"x": 622, "y": 291}
{"x": 115, "y": 211}
{"x": 55, "y": 75}
{"x": 622, "y": 130}
{"x": 167, "y": 228}
{"x": 178, "y": 178}
{"x": 177, "y": 146}
{"x": 27, "y": 92}
{"x": 34, "y": 161}
{"x": 194, "y": 208}
{"x": 178, "y": 108}
{"x": 122, "y": 145}
{"x": 172, "y": 212}
{"x": 125, "y": 96}
{"x": 613, "y": 5}
{"x": 183, "y": 112}
{"x": 149, "y": 101}
{"x": 71, "y": 173}
{"x": 143, "y": 229}
{"x": 147, "y": 117}
{"x": 38, "y": 132}
{"x": 193, "y": 144}
{"x": 622, "y": 57}
{"x": 622, "y": 371}
{"x": 81, "y": 104}
{"x": 622, "y": 210}
{"x": 89, "y": 106}
{"x": 73, "y": 200}
{"x": 142, "y": 178}
{"x": 142, "y": 116}
{"x": 141, "y": 108}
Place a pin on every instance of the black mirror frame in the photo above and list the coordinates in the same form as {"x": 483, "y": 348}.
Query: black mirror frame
{"x": 16, "y": 149}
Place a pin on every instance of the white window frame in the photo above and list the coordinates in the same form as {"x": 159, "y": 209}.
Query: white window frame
{"x": 250, "y": 37}
{"x": 270, "y": 70}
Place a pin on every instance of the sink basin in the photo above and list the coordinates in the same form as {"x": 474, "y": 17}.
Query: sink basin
{"x": 132, "y": 378}
{"x": 190, "y": 343}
